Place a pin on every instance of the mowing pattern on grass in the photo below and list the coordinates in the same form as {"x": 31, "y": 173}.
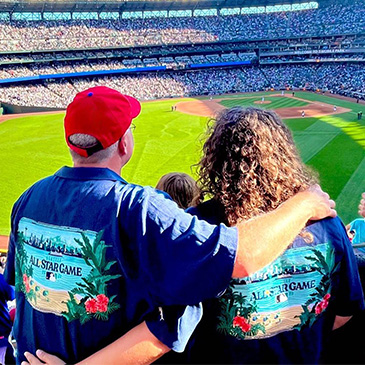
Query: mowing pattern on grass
{"x": 276, "y": 102}
{"x": 349, "y": 196}
{"x": 33, "y": 147}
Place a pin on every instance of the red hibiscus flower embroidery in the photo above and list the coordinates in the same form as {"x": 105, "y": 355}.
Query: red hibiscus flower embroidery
{"x": 25, "y": 278}
{"x": 91, "y": 305}
{"x": 27, "y": 287}
{"x": 241, "y": 322}
{"x": 102, "y": 303}
{"x": 319, "y": 308}
{"x": 323, "y": 304}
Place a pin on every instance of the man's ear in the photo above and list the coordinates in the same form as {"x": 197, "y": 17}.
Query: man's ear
{"x": 122, "y": 146}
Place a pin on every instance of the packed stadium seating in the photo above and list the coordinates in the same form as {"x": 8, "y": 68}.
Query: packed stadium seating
{"x": 343, "y": 79}
{"x": 321, "y": 48}
{"x": 41, "y": 35}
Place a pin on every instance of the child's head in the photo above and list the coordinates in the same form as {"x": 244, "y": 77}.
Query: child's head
{"x": 182, "y": 188}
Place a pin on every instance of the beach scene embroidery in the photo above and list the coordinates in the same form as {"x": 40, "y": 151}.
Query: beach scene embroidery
{"x": 286, "y": 295}
{"x": 62, "y": 270}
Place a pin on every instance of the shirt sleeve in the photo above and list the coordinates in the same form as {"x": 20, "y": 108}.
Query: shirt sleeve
{"x": 174, "y": 325}
{"x": 7, "y": 290}
{"x": 184, "y": 260}
{"x": 9, "y": 273}
{"x": 349, "y": 294}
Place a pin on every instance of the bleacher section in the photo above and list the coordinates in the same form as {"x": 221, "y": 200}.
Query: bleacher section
{"x": 166, "y": 56}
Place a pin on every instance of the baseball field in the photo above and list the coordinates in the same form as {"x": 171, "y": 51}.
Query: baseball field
{"x": 331, "y": 141}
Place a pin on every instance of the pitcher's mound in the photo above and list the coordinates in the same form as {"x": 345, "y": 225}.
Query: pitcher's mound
{"x": 262, "y": 102}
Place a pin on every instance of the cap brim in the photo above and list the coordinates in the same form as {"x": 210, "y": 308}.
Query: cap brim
{"x": 135, "y": 106}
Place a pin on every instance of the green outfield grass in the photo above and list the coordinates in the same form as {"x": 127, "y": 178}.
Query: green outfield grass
{"x": 33, "y": 147}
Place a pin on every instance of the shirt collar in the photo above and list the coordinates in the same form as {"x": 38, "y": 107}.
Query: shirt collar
{"x": 88, "y": 173}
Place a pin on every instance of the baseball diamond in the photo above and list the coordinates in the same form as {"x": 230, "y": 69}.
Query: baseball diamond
{"x": 331, "y": 142}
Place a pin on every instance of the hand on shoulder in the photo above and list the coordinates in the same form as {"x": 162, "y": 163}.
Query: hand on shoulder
{"x": 318, "y": 202}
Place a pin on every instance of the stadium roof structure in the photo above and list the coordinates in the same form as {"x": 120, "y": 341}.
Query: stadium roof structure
{"x": 132, "y": 5}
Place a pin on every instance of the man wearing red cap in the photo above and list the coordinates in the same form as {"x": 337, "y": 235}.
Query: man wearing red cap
{"x": 92, "y": 256}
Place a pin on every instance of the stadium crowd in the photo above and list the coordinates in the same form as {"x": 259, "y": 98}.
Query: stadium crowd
{"x": 314, "y": 58}
{"x": 343, "y": 79}
{"x": 33, "y": 69}
{"x": 71, "y": 34}
{"x": 336, "y": 44}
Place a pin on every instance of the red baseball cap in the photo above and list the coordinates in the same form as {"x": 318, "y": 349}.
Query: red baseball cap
{"x": 101, "y": 112}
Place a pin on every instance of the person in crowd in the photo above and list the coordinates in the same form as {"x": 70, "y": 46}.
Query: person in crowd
{"x": 139, "y": 250}
{"x": 284, "y": 312}
{"x": 181, "y": 187}
{"x": 3, "y": 258}
{"x": 357, "y": 227}
{"x": 351, "y": 234}
{"x": 362, "y": 205}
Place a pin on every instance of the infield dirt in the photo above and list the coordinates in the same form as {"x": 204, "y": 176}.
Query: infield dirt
{"x": 209, "y": 108}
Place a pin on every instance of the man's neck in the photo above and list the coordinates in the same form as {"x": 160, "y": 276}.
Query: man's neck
{"x": 116, "y": 169}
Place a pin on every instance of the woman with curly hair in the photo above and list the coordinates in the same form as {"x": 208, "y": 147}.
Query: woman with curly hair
{"x": 285, "y": 312}
{"x": 250, "y": 164}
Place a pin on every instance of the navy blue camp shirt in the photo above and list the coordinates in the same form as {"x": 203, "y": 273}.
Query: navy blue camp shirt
{"x": 91, "y": 256}
{"x": 283, "y": 313}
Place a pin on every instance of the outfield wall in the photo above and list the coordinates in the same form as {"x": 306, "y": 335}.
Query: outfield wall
{"x": 18, "y": 109}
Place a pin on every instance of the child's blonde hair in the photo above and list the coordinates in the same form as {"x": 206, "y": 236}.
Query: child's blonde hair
{"x": 182, "y": 188}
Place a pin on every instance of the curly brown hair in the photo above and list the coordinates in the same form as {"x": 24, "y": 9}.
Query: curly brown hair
{"x": 250, "y": 164}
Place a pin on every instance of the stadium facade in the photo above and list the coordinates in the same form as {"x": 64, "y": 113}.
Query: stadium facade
{"x": 15, "y": 10}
